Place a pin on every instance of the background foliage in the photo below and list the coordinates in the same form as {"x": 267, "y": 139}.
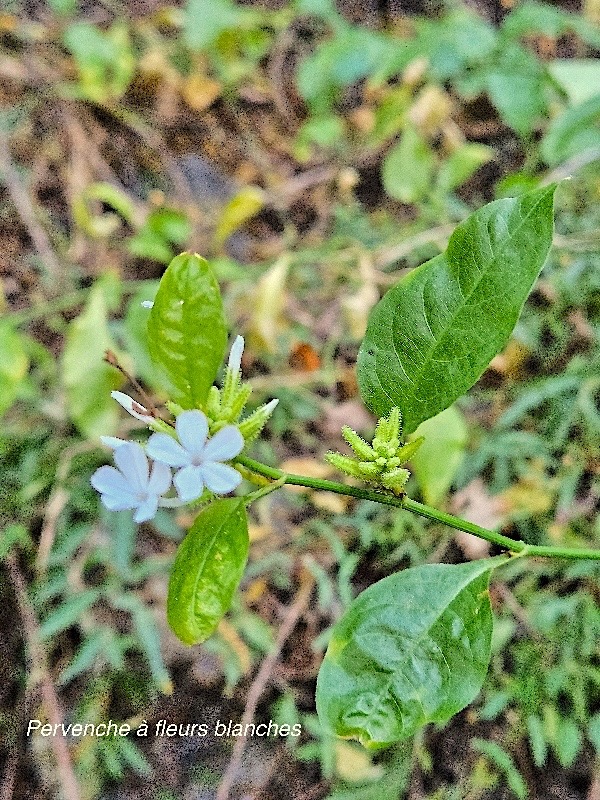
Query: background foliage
{"x": 314, "y": 153}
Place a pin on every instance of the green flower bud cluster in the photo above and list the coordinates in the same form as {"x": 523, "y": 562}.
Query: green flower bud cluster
{"x": 225, "y": 406}
{"x": 381, "y": 461}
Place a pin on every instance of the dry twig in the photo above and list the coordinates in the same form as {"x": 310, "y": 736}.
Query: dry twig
{"x": 38, "y": 671}
{"x": 25, "y": 208}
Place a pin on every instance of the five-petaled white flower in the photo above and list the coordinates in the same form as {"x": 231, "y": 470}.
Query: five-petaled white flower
{"x": 132, "y": 485}
{"x": 199, "y": 457}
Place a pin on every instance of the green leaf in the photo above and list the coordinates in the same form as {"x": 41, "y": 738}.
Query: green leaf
{"x": 432, "y": 335}
{"x": 498, "y": 756}
{"x": 461, "y": 164}
{"x": 68, "y": 613}
{"x": 148, "y": 639}
{"x": 537, "y": 740}
{"x": 567, "y": 742}
{"x": 205, "y": 21}
{"x": 351, "y": 54}
{"x": 87, "y": 379}
{"x": 13, "y": 365}
{"x": 437, "y": 460}
{"x": 135, "y": 332}
{"x": 516, "y": 86}
{"x": 408, "y": 167}
{"x": 593, "y": 731}
{"x": 579, "y": 77}
{"x": 186, "y": 330}
{"x": 576, "y": 130}
{"x": 208, "y": 567}
{"x": 413, "y": 648}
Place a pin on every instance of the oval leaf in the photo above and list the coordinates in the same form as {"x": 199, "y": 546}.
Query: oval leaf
{"x": 432, "y": 335}
{"x": 187, "y": 335}
{"x": 411, "y": 649}
{"x": 208, "y": 567}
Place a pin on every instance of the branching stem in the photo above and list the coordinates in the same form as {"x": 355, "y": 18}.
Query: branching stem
{"x": 512, "y": 545}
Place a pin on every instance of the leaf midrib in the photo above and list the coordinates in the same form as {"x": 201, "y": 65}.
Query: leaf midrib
{"x": 427, "y": 361}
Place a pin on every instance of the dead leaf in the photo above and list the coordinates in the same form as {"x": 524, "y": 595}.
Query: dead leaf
{"x": 200, "y": 92}
{"x": 267, "y": 304}
{"x": 304, "y": 358}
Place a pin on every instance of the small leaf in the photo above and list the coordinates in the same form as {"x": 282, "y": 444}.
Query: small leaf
{"x": 411, "y": 649}
{"x": 567, "y": 742}
{"x": 187, "y": 336}
{"x": 436, "y": 462}
{"x": 205, "y": 21}
{"x": 408, "y": 167}
{"x": 576, "y": 130}
{"x": 87, "y": 379}
{"x": 579, "y": 77}
{"x": 432, "y": 335}
{"x": 13, "y": 365}
{"x": 246, "y": 204}
{"x": 68, "y": 613}
{"x": 498, "y": 756}
{"x": 208, "y": 567}
{"x": 461, "y": 164}
{"x": 537, "y": 740}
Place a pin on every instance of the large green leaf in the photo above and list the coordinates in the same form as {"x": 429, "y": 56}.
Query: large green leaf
{"x": 208, "y": 567}
{"x": 432, "y": 335}
{"x": 411, "y": 649}
{"x": 186, "y": 330}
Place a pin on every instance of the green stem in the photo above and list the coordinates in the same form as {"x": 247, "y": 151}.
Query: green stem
{"x": 513, "y": 545}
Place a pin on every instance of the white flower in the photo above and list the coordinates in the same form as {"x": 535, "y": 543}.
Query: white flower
{"x": 198, "y": 456}
{"x": 235, "y": 354}
{"x": 134, "y": 408}
{"x": 132, "y": 485}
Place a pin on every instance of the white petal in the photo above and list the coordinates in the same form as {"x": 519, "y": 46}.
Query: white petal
{"x": 164, "y": 448}
{"x": 192, "y": 429}
{"x": 132, "y": 406}
{"x": 225, "y": 444}
{"x": 235, "y": 355}
{"x": 160, "y": 479}
{"x": 147, "y": 303}
{"x": 189, "y": 483}
{"x": 147, "y": 509}
{"x": 120, "y": 503}
{"x": 112, "y": 441}
{"x": 131, "y": 460}
{"x": 108, "y": 480}
{"x": 220, "y": 478}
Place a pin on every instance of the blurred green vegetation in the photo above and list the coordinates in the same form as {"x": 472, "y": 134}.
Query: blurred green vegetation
{"x": 313, "y": 160}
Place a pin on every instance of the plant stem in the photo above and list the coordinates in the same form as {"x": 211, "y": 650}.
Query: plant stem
{"x": 513, "y": 545}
